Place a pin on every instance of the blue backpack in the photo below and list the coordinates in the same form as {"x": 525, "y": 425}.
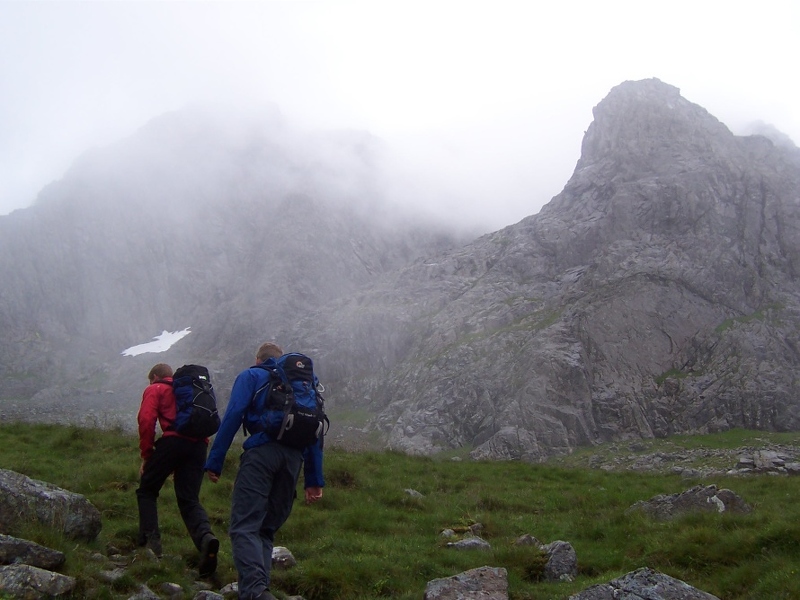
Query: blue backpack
{"x": 197, "y": 415}
{"x": 290, "y": 407}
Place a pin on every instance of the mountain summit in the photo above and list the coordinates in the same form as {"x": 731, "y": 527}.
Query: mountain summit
{"x": 656, "y": 294}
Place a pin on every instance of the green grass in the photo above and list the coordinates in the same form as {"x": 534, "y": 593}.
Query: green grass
{"x": 369, "y": 539}
{"x": 759, "y": 315}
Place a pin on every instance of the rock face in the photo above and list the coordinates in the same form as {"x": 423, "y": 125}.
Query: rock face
{"x": 656, "y": 294}
{"x": 24, "y": 499}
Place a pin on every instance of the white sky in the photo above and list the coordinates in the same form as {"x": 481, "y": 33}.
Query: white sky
{"x": 488, "y": 100}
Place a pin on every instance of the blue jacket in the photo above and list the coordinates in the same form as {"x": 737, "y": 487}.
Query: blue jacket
{"x": 236, "y": 413}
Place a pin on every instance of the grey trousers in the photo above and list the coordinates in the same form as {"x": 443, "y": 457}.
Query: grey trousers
{"x": 263, "y": 495}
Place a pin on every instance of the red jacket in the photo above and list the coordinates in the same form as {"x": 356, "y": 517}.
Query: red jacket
{"x": 158, "y": 404}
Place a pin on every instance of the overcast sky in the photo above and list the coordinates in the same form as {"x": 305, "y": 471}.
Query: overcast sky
{"x": 487, "y": 100}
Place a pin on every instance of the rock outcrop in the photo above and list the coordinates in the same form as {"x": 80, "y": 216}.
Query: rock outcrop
{"x": 15, "y": 550}
{"x": 24, "y": 499}
{"x": 484, "y": 583}
{"x": 644, "y": 584}
{"x": 31, "y": 583}
{"x": 698, "y": 499}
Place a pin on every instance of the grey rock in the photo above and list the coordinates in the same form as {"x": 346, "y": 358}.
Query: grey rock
{"x": 484, "y": 583}
{"x": 282, "y": 558}
{"x": 643, "y": 584}
{"x": 201, "y": 586}
{"x": 111, "y": 576}
{"x": 793, "y": 468}
{"x": 28, "y": 500}
{"x": 32, "y": 583}
{"x": 208, "y": 595}
{"x": 696, "y": 463}
{"x": 144, "y": 593}
{"x": 470, "y": 543}
{"x": 697, "y": 499}
{"x": 171, "y": 590}
{"x": 562, "y": 561}
{"x": 15, "y": 550}
{"x": 527, "y": 540}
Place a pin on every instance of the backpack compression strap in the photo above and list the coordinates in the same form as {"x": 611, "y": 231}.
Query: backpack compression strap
{"x": 265, "y": 391}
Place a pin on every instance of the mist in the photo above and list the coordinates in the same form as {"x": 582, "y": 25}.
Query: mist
{"x": 480, "y": 107}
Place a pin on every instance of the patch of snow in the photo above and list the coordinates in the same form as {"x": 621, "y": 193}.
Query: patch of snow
{"x": 160, "y": 343}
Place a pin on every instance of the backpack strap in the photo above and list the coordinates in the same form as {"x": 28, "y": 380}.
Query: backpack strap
{"x": 280, "y": 369}
{"x": 258, "y": 403}
{"x": 321, "y": 409}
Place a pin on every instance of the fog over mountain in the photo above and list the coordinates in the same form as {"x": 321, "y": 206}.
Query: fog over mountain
{"x": 482, "y": 105}
{"x": 233, "y": 225}
{"x": 656, "y": 294}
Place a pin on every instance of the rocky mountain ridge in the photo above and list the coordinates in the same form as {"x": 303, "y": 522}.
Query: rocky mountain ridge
{"x": 656, "y": 294}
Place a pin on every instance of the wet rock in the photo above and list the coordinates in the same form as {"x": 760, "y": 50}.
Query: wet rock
{"x": 484, "y": 583}
{"x": 28, "y": 500}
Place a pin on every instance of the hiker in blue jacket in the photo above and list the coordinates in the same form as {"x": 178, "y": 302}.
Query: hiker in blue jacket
{"x": 264, "y": 489}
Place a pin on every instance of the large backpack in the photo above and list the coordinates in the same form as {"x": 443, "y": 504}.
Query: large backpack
{"x": 196, "y": 402}
{"x": 290, "y": 407}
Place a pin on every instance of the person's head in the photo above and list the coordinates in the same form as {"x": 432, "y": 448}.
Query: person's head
{"x": 159, "y": 371}
{"x": 268, "y": 350}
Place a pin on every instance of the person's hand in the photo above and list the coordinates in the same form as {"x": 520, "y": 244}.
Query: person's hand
{"x": 141, "y": 468}
{"x": 214, "y": 477}
{"x": 313, "y": 494}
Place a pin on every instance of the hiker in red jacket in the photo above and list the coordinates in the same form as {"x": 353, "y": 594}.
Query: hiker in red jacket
{"x": 176, "y": 454}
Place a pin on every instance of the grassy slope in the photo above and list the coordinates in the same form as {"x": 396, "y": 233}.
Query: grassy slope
{"x": 368, "y": 538}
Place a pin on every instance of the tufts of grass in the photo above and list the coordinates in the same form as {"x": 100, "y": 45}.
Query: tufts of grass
{"x": 370, "y": 538}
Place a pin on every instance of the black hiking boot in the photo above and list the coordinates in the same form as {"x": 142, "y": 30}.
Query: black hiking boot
{"x": 208, "y": 555}
{"x": 154, "y": 544}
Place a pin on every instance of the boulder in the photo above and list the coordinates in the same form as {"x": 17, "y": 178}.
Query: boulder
{"x": 15, "y": 550}
{"x": 643, "y": 584}
{"x": 562, "y": 561}
{"x": 696, "y": 499}
{"x": 484, "y": 583}
{"x": 282, "y": 558}
{"x": 28, "y": 500}
{"x": 32, "y": 583}
{"x": 470, "y": 543}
